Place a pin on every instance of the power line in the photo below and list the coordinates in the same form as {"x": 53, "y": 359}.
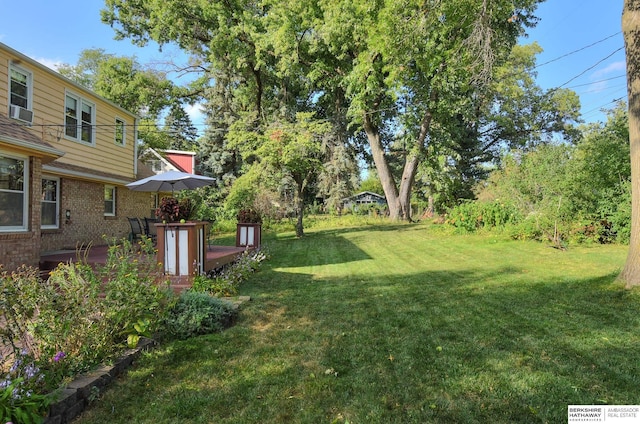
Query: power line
{"x": 111, "y": 128}
{"x": 596, "y": 82}
{"x": 600, "y": 107}
{"x": 591, "y": 67}
{"x": 577, "y": 51}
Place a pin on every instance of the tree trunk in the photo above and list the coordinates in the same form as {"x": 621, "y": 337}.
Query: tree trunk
{"x": 406, "y": 185}
{"x": 384, "y": 172}
{"x": 300, "y": 210}
{"x": 631, "y": 32}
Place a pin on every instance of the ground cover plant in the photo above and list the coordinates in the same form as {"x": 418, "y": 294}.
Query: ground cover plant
{"x": 56, "y": 328}
{"x": 386, "y": 323}
{"x": 53, "y": 329}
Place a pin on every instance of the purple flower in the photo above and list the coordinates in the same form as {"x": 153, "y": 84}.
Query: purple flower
{"x": 59, "y": 356}
{"x": 30, "y": 371}
{"x": 15, "y": 366}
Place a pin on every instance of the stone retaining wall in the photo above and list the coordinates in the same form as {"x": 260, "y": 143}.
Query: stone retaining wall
{"x": 87, "y": 387}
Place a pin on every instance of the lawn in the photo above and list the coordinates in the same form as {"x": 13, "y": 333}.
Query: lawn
{"x": 401, "y": 324}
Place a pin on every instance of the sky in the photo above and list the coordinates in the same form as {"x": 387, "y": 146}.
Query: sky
{"x": 581, "y": 39}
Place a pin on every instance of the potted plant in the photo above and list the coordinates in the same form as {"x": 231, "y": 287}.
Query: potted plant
{"x": 249, "y": 216}
{"x": 181, "y": 245}
{"x": 169, "y": 210}
{"x": 185, "y": 209}
{"x": 174, "y": 210}
{"x": 249, "y": 228}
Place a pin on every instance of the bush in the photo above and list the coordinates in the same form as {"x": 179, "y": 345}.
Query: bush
{"x": 70, "y": 319}
{"x": 225, "y": 281}
{"x": 66, "y": 317}
{"x": 473, "y": 215}
{"x": 198, "y": 313}
{"x": 134, "y": 301}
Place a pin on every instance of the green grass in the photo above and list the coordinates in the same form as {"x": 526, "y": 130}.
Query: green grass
{"x": 401, "y": 324}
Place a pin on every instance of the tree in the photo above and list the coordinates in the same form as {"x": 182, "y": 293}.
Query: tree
{"x": 630, "y": 29}
{"x": 384, "y": 64}
{"x": 602, "y": 158}
{"x": 339, "y": 174}
{"x": 515, "y": 112}
{"x": 179, "y": 128}
{"x": 296, "y": 148}
{"x": 510, "y": 112}
{"x": 122, "y": 80}
{"x": 403, "y": 64}
{"x": 125, "y": 82}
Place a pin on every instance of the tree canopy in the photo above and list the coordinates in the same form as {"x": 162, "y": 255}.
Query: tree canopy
{"x": 381, "y": 68}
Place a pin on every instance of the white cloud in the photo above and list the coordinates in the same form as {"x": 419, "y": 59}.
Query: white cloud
{"x": 195, "y": 112}
{"x": 600, "y": 76}
{"x": 598, "y": 86}
{"x": 49, "y": 63}
{"x": 619, "y": 66}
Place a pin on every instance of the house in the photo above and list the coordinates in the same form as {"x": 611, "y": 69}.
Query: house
{"x": 366, "y": 198}
{"x": 169, "y": 160}
{"x": 66, "y": 155}
{"x": 166, "y": 160}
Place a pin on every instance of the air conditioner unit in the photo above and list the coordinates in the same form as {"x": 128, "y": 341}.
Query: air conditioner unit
{"x": 21, "y": 114}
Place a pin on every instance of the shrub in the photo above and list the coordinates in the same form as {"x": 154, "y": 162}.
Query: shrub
{"x": 225, "y": 281}
{"x": 473, "y": 215}
{"x": 70, "y": 318}
{"x": 198, "y": 313}
{"x": 66, "y": 316}
{"x": 134, "y": 302}
{"x": 18, "y": 302}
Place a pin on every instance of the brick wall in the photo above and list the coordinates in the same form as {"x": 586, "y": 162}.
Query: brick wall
{"x": 85, "y": 202}
{"x": 23, "y": 248}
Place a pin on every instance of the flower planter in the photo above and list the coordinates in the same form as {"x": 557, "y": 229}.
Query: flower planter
{"x": 182, "y": 247}
{"x": 248, "y": 235}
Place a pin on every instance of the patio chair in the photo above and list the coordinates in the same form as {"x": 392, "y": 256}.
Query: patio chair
{"x": 136, "y": 230}
{"x": 150, "y": 229}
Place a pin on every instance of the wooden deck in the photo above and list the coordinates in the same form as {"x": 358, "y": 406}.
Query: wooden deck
{"x": 216, "y": 257}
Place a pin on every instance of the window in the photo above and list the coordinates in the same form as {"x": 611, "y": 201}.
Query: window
{"x": 120, "y": 137}
{"x": 79, "y": 118}
{"x": 13, "y": 193}
{"x": 156, "y": 165}
{"x": 155, "y": 202}
{"x": 50, "y": 203}
{"x": 109, "y": 201}
{"x": 20, "y": 87}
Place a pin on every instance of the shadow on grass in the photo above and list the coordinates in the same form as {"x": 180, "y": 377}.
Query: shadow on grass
{"x": 329, "y": 247}
{"x": 453, "y": 347}
{"x": 461, "y": 345}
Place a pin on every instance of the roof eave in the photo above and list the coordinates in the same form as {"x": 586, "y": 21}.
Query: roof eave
{"x": 48, "y": 154}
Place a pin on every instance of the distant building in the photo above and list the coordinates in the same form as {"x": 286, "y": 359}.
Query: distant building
{"x": 365, "y": 198}
{"x": 161, "y": 161}
{"x": 169, "y": 160}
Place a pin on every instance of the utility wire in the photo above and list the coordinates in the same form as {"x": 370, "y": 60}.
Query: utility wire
{"x": 577, "y": 51}
{"x": 599, "y": 108}
{"x": 591, "y": 67}
{"x": 596, "y": 82}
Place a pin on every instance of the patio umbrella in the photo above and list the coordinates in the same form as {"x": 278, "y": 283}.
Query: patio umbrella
{"x": 170, "y": 181}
